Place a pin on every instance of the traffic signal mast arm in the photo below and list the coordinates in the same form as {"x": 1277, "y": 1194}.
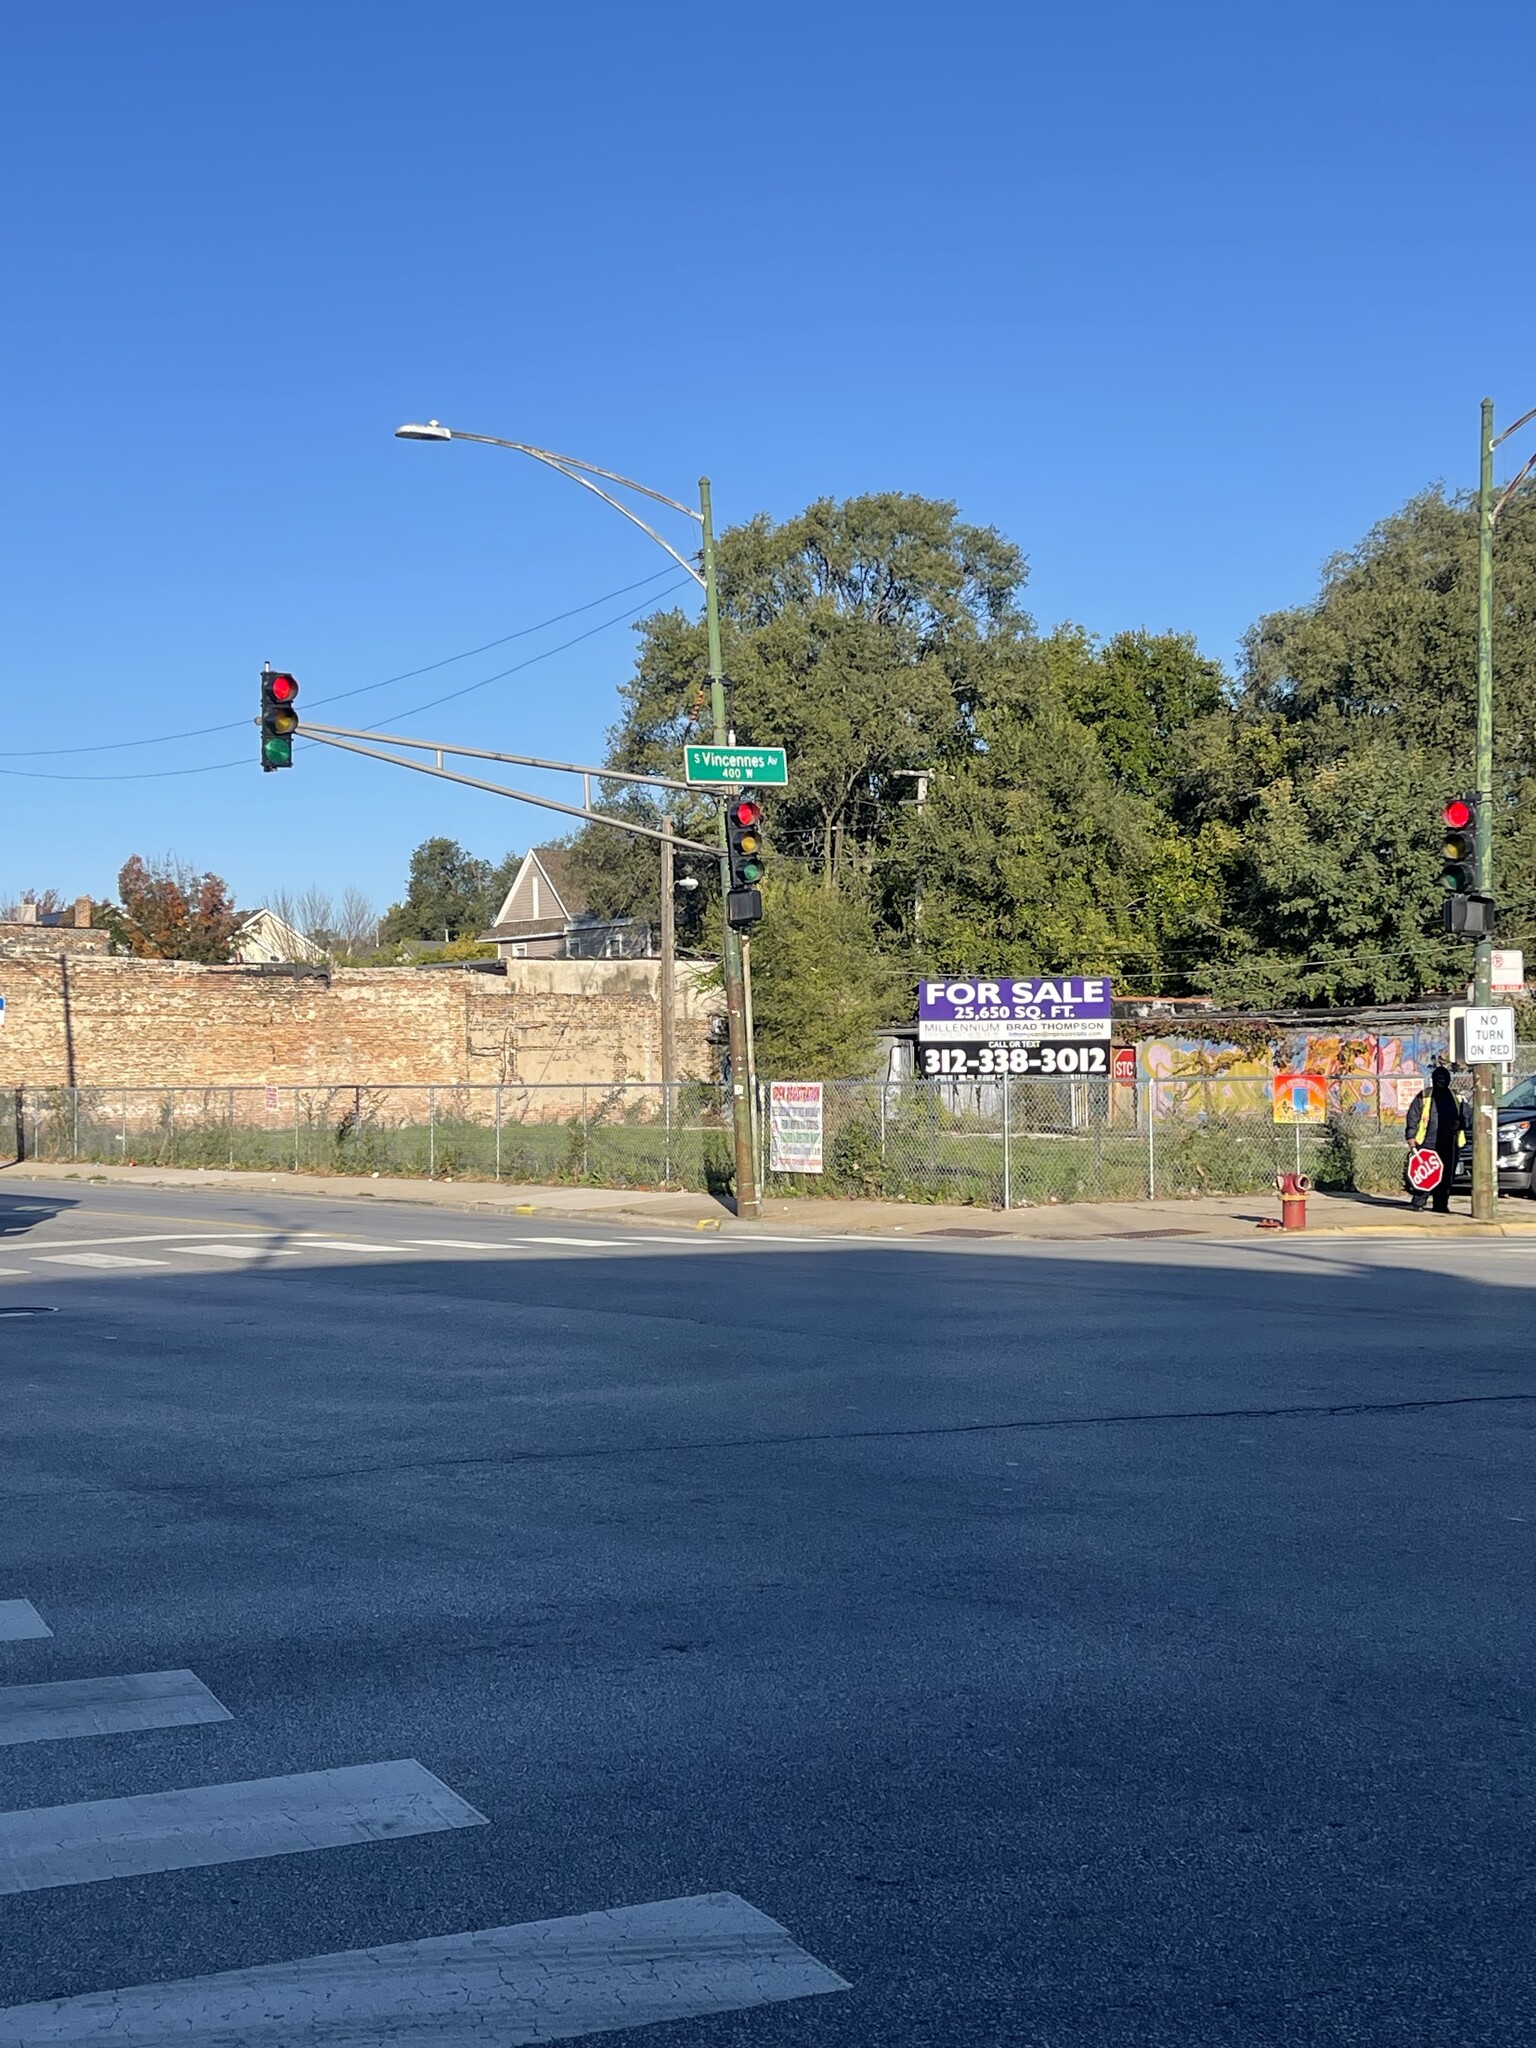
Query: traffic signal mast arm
{"x": 349, "y": 741}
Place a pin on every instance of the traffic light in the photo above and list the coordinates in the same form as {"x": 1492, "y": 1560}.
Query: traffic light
{"x": 1467, "y": 912}
{"x": 744, "y": 846}
{"x": 279, "y": 718}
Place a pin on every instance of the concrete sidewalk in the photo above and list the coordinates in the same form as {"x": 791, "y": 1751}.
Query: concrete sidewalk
{"x": 1225, "y": 1216}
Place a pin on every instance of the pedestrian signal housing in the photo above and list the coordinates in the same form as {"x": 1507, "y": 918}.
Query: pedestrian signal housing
{"x": 279, "y": 718}
{"x": 744, "y": 848}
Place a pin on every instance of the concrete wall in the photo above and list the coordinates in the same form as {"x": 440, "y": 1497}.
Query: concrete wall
{"x": 91, "y": 1021}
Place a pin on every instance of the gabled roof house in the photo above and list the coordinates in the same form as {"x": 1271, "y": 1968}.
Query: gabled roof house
{"x": 545, "y": 915}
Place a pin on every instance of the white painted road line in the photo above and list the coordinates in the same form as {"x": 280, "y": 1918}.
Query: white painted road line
{"x": 581, "y": 1244}
{"x": 461, "y": 1244}
{"x": 336, "y": 1244}
{"x": 44, "y": 1846}
{"x": 149, "y": 1237}
{"x": 20, "y": 1622}
{"x": 240, "y": 1251}
{"x": 547, "y": 1980}
{"x": 106, "y": 1706}
{"x": 92, "y": 1259}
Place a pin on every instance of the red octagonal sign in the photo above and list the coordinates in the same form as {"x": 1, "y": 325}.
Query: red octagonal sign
{"x": 1426, "y": 1169}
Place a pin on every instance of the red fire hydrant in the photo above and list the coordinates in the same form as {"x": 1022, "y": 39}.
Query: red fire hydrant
{"x": 1294, "y": 1190}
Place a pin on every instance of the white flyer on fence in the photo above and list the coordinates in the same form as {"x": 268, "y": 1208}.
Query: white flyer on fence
{"x": 794, "y": 1127}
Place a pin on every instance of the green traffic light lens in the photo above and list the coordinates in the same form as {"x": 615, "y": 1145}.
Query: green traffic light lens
{"x": 277, "y": 751}
{"x": 751, "y": 871}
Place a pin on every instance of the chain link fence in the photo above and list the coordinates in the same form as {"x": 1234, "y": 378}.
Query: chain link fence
{"x": 630, "y": 1135}
{"x": 1011, "y": 1144}
{"x": 989, "y": 1144}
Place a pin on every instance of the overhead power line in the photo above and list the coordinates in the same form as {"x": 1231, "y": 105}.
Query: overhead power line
{"x": 629, "y": 616}
{"x": 234, "y": 724}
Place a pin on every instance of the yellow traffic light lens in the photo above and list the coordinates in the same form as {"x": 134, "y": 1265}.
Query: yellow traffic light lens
{"x": 748, "y": 842}
{"x": 283, "y": 721}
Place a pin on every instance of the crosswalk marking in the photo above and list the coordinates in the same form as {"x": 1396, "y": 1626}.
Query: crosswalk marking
{"x": 93, "y": 1259}
{"x": 582, "y": 1244}
{"x": 185, "y": 1830}
{"x": 105, "y": 1706}
{"x": 462, "y": 1244}
{"x": 336, "y": 1244}
{"x": 547, "y": 1980}
{"x": 150, "y": 1237}
{"x": 20, "y": 1622}
{"x": 240, "y": 1251}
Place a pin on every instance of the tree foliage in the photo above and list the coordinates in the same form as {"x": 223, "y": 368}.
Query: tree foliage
{"x": 821, "y": 984}
{"x": 167, "y": 911}
{"x": 451, "y": 894}
{"x": 967, "y": 794}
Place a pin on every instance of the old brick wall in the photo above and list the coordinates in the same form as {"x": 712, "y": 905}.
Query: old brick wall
{"x": 96, "y": 1021}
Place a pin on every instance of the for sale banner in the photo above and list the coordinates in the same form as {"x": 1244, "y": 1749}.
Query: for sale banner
{"x": 795, "y": 1127}
{"x": 996, "y": 1010}
{"x": 991, "y": 1027}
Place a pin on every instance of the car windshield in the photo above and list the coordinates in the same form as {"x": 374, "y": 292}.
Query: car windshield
{"x": 1521, "y": 1096}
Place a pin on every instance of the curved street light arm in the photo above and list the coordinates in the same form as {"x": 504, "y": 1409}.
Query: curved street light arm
{"x": 1509, "y": 489}
{"x": 570, "y": 462}
{"x": 582, "y": 473}
{"x": 1524, "y": 420}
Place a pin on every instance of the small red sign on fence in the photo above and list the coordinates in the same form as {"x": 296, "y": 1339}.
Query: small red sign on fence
{"x": 1125, "y": 1062}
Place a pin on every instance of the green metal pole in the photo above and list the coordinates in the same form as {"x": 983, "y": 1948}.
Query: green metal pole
{"x": 1484, "y": 1114}
{"x": 735, "y": 982}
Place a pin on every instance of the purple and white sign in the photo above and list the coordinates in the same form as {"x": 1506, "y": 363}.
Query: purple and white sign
{"x": 999, "y": 1011}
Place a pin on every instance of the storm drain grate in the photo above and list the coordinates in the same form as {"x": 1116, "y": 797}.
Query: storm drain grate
{"x": 20, "y": 1308}
{"x": 961, "y": 1231}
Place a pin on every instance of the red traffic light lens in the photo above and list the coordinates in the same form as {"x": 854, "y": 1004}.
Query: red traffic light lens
{"x": 1457, "y": 814}
{"x": 284, "y": 688}
{"x": 746, "y": 812}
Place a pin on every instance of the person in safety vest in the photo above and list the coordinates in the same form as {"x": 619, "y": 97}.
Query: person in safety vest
{"x": 1438, "y": 1120}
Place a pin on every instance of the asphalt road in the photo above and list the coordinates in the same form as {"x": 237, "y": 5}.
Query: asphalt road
{"x": 1120, "y": 1645}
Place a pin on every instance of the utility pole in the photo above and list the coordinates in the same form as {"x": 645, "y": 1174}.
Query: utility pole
{"x": 1485, "y": 1188}
{"x": 668, "y": 1001}
{"x": 735, "y": 989}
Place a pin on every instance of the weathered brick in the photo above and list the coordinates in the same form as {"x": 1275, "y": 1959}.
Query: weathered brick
{"x": 98, "y": 1021}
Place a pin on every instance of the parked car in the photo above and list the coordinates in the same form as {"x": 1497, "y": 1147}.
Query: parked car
{"x": 1517, "y": 1143}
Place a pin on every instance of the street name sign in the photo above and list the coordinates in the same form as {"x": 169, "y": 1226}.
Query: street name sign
{"x": 990, "y": 1026}
{"x": 735, "y": 767}
{"x": 1485, "y": 1038}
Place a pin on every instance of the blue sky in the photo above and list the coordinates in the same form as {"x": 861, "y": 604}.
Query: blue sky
{"x": 1181, "y": 298}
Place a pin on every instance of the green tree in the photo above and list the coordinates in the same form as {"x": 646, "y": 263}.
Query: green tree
{"x": 1027, "y": 855}
{"x": 853, "y": 637}
{"x": 1354, "y": 724}
{"x": 820, "y": 985}
{"x": 1139, "y": 694}
{"x": 452, "y": 894}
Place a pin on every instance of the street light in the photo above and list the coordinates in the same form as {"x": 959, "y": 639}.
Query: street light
{"x": 592, "y": 478}
{"x": 1485, "y": 1113}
